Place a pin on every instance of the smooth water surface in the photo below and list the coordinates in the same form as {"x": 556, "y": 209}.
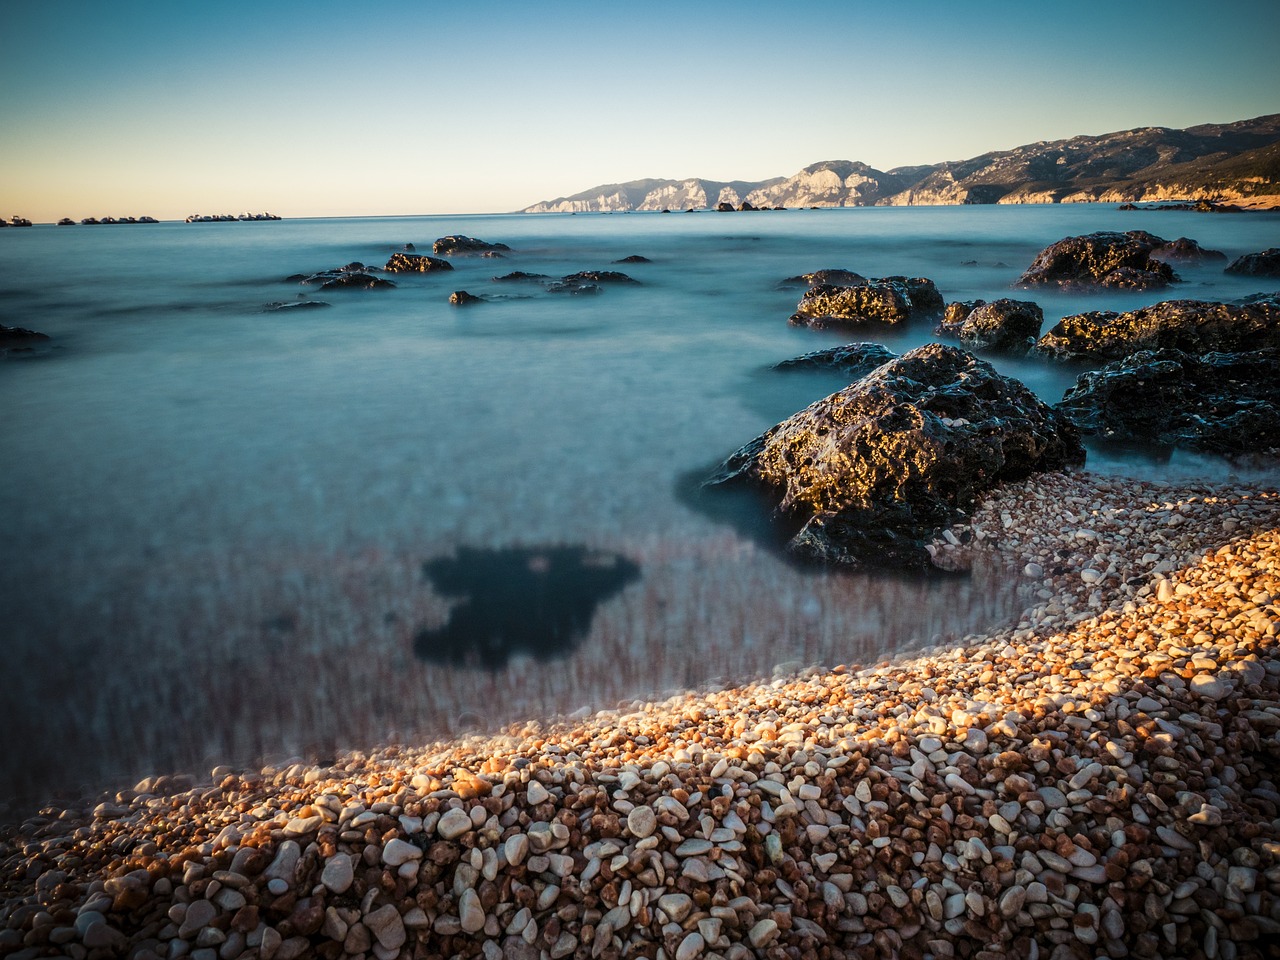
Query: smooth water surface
{"x": 220, "y": 524}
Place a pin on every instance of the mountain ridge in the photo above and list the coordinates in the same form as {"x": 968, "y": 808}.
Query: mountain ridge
{"x": 1213, "y": 161}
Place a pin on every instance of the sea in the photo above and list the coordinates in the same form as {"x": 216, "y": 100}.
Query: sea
{"x": 231, "y": 535}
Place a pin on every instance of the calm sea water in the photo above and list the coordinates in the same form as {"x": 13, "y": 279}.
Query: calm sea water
{"x": 231, "y": 534}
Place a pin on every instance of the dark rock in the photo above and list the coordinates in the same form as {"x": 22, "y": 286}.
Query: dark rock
{"x": 923, "y": 293}
{"x": 356, "y": 281}
{"x": 1193, "y": 325}
{"x": 724, "y": 206}
{"x": 415, "y": 263}
{"x": 66, "y": 222}
{"x": 491, "y": 255}
{"x": 832, "y": 276}
{"x": 293, "y": 305}
{"x": 1106, "y": 259}
{"x": 519, "y": 275}
{"x": 854, "y": 359}
{"x": 1186, "y": 250}
{"x": 746, "y": 206}
{"x": 21, "y": 342}
{"x": 574, "y": 288}
{"x": 1264, "y": 264}
{"x": 463, "y": 245}
{"x": 826, "y": 305}
{"x": 634, "y": 258}
{"x": 460, "y": 298}
{"x": 871, "y": 472}
{"x": 1006, "y": 326}
{"x": 598, "y": 276}
{"x": 1218, "y": 402}
{"x": 355, "y": 266}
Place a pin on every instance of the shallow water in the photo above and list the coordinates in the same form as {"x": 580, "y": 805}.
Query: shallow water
{"x": 216, "y": 519}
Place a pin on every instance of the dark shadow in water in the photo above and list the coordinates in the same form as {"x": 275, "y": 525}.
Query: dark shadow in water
{"x": 537, "y": 601}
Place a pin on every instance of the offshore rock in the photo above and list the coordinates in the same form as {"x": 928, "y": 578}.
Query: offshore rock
{"x": 356, "y": 281}
{"x": 856, "y": 300}
{"x": 870, "y": 473}
{"x": 1196, "y": 326}
{"x": 598, "y": 276}
{"x": 831, "y": 275}
{"x": 278, "y": 306}
{"x": 460, "y": 298}
{"x": 415, "y": 263}
{"x": 1004, "y": 326}
{"x": 1186, "y": 250}
{"x": 1105, "y": 259}
{"x": 21, "y": 342}
{"x": 454, "y": 245}
{"x": 854, "y": 359}
{"x": 520, "y": 276}
{"x": 1264, "y": 264}
{"x": 1219, "y": 402}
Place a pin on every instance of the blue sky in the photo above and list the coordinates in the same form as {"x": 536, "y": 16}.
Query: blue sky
{"x": 312, "y": 109}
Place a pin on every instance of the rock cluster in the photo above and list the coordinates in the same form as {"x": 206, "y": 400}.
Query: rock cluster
{"x": 1219, "y": 402}
{"x": 1104, "y": 259}
{"x": 1002, "y": 326}
{"x": 868, "y": 473}
{"x": 1098, "y": 779}
{"x": 1195, "y": 326}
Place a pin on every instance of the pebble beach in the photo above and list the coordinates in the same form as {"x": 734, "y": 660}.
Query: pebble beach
{"x": 1100, "y": 779}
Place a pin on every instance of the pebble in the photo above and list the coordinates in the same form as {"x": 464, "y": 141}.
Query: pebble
{"x": 1090, "y": 779}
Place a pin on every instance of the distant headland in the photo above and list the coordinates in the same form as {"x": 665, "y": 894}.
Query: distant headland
{"x": 1236, "y": 162}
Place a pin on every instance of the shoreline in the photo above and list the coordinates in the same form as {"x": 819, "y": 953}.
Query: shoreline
{"x": 1098, "y": 775}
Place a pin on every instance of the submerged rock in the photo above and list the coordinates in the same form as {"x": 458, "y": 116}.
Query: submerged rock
{"x": 454, "y": 245}
{"x": 519, "y": 276}
{"x": 1264, "y": 264}
{"x": 20, "y": 342}
{"x": 598, "y": 276}
{"x": 1196, "y": 326}
{"x": 1005, "y": 326}
{"x": 356, "y": 281}
{"x": 855, "y": 359}
{"x": 870, "y": 473}
{"x": 1219, "y": 402}
{"x": 460, "y": 298}
{"x": 293, "y": 305}
{"x": 1105, "y": 259}
{"x": 634, "y": 258}
{"x": 415, "y": 263}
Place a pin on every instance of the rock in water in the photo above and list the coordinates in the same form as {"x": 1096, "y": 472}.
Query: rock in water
{"x": 415, "y": 263}
{"x": 460, "y": 298}
{"x": 1264, "y": 264}
{"x": 1220, "y": 402}
{"x": 1196, "y": 326}
{"x": 839, "y": 297}
{"x": 1005, "y": 326}
{"x": 1105, "y": 259}
{"x": 453, "y": 245}
{"x": 854, "y": 359}
{"x": 871, "y": 472}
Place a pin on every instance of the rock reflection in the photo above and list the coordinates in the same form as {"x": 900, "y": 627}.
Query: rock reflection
{"x": 536, "y": 602}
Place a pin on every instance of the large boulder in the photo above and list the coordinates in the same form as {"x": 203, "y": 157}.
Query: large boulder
{"x": 1106, "y": 259}
{"x": 1219, "y": 402}
{"x": 1264, "y": 264}
{"x": 415, "y": 263}
{"x": 881, "y": 300}
{"x": 1002, "y": 326}
{"x": 854, "y": 359}
{"x": 1196, "y": 326}
{"x": 867, "y": 475}
{"x": 454, "y": 245}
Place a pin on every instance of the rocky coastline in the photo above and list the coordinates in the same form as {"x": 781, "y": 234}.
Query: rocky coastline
{"x": 1098, "y": 778}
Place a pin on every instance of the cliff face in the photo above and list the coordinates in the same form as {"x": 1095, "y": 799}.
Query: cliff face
{"x": 1213, "y": 161}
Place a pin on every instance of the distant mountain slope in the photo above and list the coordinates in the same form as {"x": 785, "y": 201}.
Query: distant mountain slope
{"x": 1212, "y": 161}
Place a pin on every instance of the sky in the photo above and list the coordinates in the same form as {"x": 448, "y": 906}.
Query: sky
{"x": 344, "y": 109}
